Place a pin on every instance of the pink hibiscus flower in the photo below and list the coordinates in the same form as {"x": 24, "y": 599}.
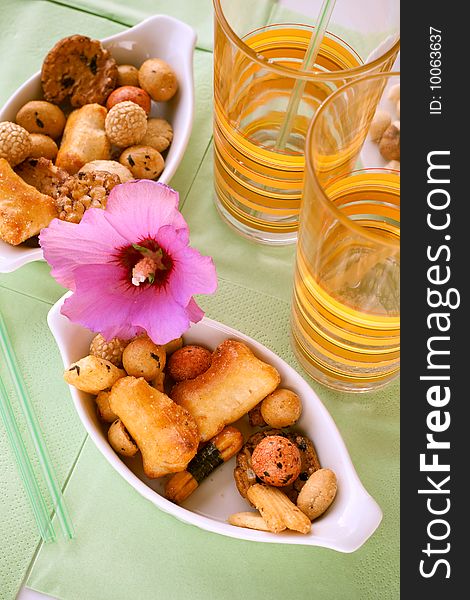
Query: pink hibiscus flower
{"x": 130, "y": 266}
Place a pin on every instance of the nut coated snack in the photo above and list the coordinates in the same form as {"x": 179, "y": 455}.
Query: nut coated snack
{"x": 276, "y": 461}
{"x": 15, "y": 143}
{"x": 189, "y": 362}
{"x": 42, "y": 146}
{"x": 143, "y": 162}
{"x": 83, "y": 191}
{"x": 110, "y": 166}
{"x": 159, "y": 134}
{"x": 318, "y": 493}
{"x": 282, "y": 408}
{"x": 128, "y": 75}
{"x": 126, "y": 124}
{"x": 39, "y": 116}
{"x": 158, "y": 79}
{"x": 143, "y": 358}
{"x": 109, "y": 350}
{"x": 130, "y": 93}
{"x": 92, "y": 374}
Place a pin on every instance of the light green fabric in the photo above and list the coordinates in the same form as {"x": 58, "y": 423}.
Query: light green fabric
{"x": 125, "y": 547}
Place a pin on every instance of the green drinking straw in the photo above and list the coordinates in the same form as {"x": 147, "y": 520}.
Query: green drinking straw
{"x": 35, "y": 433}
{"x": 25, "y": 468}
{"x": 308, "y": 63}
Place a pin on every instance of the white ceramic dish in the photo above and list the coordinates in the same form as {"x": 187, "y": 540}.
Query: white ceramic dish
{"x": 158, "y": 36}
{"x": 349, "y": 522}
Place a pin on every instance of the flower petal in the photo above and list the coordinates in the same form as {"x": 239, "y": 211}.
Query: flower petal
{"x": 195, "y": 312}
{"x": 157, "y": 312}
{"x": 102, "y": 302}
{"x": 137, "y": 209}
{"x": 68, "y": 245}
{"x": 192, "y": 273}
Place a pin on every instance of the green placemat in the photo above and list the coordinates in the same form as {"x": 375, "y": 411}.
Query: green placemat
{"x": 127, "y": 548}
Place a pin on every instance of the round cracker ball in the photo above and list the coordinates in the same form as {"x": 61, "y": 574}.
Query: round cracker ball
{"x": 42, "y": 146}
{"x": 143, "y": 162}
{"x": 128, "y": 75}
{"x": 131, "y": 93}
{"x": 158, "y": 79}
{"x": 109, "y": 350}
{"x": 39, "y": 116}
{"x": 126, "y": 124}
{"x": 282, "y": 408}
{"x": 143, "y": 358}
{"x": 276, "y": 461}
{"x": 189, "y": 362}
{"x": 110, "y": 166}
{"x": 15, "y": 143}
{"x": 159, "y": 134}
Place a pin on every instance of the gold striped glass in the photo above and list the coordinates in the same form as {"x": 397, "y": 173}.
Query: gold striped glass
{"x": 346, "y": 302}
{"x": 259, "y": 47}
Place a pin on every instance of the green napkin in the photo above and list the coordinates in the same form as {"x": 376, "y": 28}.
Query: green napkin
{"x": 126, "y": 547}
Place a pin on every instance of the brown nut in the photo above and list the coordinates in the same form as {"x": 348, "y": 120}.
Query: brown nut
{"x": 390, "y": 143}
{"x": 39, "y": 116}
{"x": 276, "y": 461}
{"x": 42, "y": 146}
{"x": 15, "y": 143}
{"x": 318, "y": 493}
{"x": 104, "y": 409}
{"x": 282, "y": 408}
{"x": 159, "y": 134}
{"x": 158, "y": 79}
{"x": 143, "y": 358}
{"x": 120, "y": 440}
{"x": 131, "y": 93}
{"x": 143, "y": 162}
{"x": 189, "y": 362}
{"x": 128, "y": 75}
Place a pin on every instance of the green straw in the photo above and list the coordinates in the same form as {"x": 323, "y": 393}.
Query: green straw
{"x": 25, "y": 468}
{"x": 35, "y": 432}
{"x": 307, "y": 65}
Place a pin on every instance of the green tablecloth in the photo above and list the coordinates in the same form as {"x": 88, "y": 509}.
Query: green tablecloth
{"x": 125, "y": 547}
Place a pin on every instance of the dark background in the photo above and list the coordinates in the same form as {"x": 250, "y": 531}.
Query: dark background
{"x": 423, "y": 133}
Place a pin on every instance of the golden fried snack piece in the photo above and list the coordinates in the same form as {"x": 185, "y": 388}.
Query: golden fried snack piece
{"x": 84, "y": 138}
{"x": 42, "y": 174}
{"x": 248, "y": 519}
{"x": 318, "y": 493}
{"x": 234, "y": 383}
{"x": 277, "y": 510}
{"x": 92, "y": 374}
{"x": 104, "y": 410}
{"x": 219, "y": 450}
{"x": 120, "y": 440}
{"x": 24, "y": 211}
{"x": 165, "y": 433}
{"x": 282, "y": 408}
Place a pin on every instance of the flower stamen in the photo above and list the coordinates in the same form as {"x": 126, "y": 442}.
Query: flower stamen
{"x": 144, "y": 269}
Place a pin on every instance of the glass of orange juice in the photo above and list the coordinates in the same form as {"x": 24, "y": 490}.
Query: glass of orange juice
{"x": 346, "y": 301}
{"x": 259, "y": 49}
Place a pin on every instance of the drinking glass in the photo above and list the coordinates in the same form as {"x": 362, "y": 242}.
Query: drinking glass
{"x": 259, "y": 49}
{"x": 346, "y": 300}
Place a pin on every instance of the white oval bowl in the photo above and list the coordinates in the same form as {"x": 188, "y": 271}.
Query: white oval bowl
{"x": 349, "y": 522}
{"x": 158, "y": 36}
